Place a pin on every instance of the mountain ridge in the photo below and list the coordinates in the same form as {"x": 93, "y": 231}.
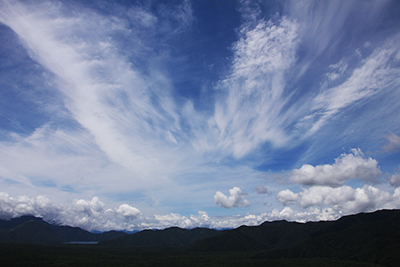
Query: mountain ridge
{"x": 283, "y": 234}
{"x": 31, "y": 229}
{"x": 168, "y": 237}
{"x": 268, "y": 236}
{"x": 376, "y": 241}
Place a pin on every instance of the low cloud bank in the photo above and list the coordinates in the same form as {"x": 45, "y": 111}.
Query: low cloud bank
{"x": 86, "y": 214}
{"x": 318, "y": 203}
{"x": 344, "y": 198}
{"x": 326, "y": 188}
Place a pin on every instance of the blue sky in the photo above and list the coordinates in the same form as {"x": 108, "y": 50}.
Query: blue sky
{"x": 149, "y": 114}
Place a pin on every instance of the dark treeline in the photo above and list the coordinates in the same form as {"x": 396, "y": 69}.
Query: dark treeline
{"x": 365, "y": 239}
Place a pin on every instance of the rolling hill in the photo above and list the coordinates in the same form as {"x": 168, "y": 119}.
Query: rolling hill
{"x": 30, "y": 229}
{"x": 365, "y": 239}
{"x": 170, "y": 237}
{"x": 283, "y": 234}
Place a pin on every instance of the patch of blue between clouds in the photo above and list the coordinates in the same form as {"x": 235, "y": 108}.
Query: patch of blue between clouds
{"x": 42, "y": 182}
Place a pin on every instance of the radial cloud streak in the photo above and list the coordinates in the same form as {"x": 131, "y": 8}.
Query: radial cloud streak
{"x": 137, "y": 114}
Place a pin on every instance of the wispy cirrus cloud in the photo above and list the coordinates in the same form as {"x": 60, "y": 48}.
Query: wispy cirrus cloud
{"x": 250, "y": 113}
{"x": 130, "y": 118}
{"x": 118, "y": 128}
{"x": 323, "y": 26}
{"x": 378, "y": 72}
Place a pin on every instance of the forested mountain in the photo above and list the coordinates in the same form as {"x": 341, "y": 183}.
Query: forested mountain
{"x": 31, "y": 229}
{"x": 348, "y": 235}
{"x": 365, "y": 239}
{"x": 170, "y": 237}
{"x": 283, "y": 234}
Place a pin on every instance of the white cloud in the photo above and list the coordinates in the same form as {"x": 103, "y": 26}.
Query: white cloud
{"x": 237, "y": 198}
{"x": 287, "y": 197}
{"x": 338, "y": 70}
{"x": 220, "y": 222}
{"x": 326, "y": 195}
{"x": 347, "y": 166}
{"x": 248, "y": 112}
{"x": 192, "y": 221}
{"x": 93, "y": 215}
{"x": 344, "y": 199}
{"x": 129, "y": 134}
{"x": 123, "y": 123}
{"x": 128, "y": 211}
{"x": 266, "y": 48}
{"x": 89, "y": 215}
{"x": 129, "y": 115}
{"x": 90, "y": 207}
{"x": 374, "y": 76}
{"x": 67, "y": 158}
{"x": 22, "y": 205}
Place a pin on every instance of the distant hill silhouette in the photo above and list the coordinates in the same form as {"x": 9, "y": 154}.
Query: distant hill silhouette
{"x": 31, "y": 229}
{"x": 283, "y": 234}
{"x": 365, "y": 239}
{"x": 6, "y": 224}
{"x": 170, "y": 237}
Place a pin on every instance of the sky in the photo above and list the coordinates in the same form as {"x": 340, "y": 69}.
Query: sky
{"x": 130, "y": 115}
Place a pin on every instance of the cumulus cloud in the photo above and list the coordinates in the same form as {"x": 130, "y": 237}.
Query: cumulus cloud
{"x": 326, "y": 195}
{"x": 221, "y": 222}
{"x": 192, "y": 221}
{"x": 344, "y": 198}
{"x": 237, "y": 198}
{"x": 318, "y": 203}
{"x": 128, "y": 211}
{"x": 347, "y": 166}
{"x": 287, "y": 197}
{"x": 124, "y": 122}
{"x": 14, "y": 207}
{"x": 86, "y": 214}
